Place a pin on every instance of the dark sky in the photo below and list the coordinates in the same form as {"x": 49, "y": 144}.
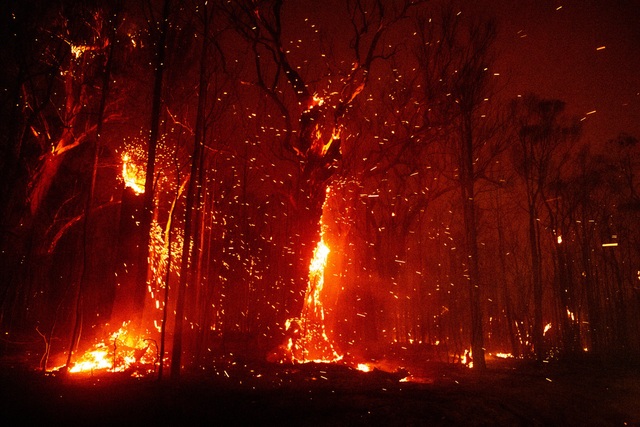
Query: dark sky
{"x": 585, "y": 52}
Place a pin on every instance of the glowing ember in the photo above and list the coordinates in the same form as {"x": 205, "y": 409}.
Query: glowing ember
{"x": 546, "y": 328}
{"x": 132, "y": 174}
{"x": 119, "y": 353}
{"x": 416, "y": 379}
{"x": 467, "y": 360}
{"x": 363, "y": 367}
{"x": 317, "y": 100}
{"x": 78, "y": 50}
{"x": 503, "y": 355}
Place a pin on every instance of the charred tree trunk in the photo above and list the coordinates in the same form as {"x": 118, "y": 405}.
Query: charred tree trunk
{"x": 165, "y": 308}
{"x": 536, "y": 270}
{"x": 142, "y": 265}
{"x": 196, "y": 296}
{"x": 188, "y": 256}
{"x": 467, "y": 186}
{"x": 596, "y": 325}
{"x": 508, "y": 308}
{"x": 566, "y": 297}
{"x": 621, "y": 336}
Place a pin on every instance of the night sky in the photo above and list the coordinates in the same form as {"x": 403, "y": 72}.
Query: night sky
{"x": 554, "y": 49}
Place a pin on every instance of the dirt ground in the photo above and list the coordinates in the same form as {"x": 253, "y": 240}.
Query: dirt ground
{"x": 507, "y": 394}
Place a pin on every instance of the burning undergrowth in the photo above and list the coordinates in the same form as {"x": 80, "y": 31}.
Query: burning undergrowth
{"x": 123, "y": 351}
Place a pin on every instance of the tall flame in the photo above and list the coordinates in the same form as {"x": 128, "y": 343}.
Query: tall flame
{"x": 308, "y": 340}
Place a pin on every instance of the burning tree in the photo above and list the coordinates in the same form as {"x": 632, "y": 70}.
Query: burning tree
{"x": 321, "y": 113}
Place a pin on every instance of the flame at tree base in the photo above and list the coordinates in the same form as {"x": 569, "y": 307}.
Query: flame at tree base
{"x": 306, "y": 336}
{"x": 307, "y": 340}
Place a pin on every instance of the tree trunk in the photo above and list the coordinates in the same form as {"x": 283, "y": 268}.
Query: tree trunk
{"x": 536, "y": 269}
{"x": 188, "y": 257}
{"x": 515, "y": 348}
{"x": 467, "y": 185}
{"x": 142, "y": 265}
{"x": 596, "y": 325}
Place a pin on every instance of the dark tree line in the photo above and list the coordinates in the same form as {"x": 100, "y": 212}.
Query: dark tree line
{"x": 456, "y": 219}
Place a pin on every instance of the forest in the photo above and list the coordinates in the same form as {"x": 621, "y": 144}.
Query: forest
{"x": 299, "y": 181}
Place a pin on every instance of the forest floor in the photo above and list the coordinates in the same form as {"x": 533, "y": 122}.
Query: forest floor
{"x": 509, "y": 393}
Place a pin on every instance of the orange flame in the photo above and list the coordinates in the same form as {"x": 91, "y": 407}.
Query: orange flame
{"x": 132, "y": 174}
{"x": 120, "y": 352}
{"x": 363, "y": 367}
{"x": 466, "y": 359}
